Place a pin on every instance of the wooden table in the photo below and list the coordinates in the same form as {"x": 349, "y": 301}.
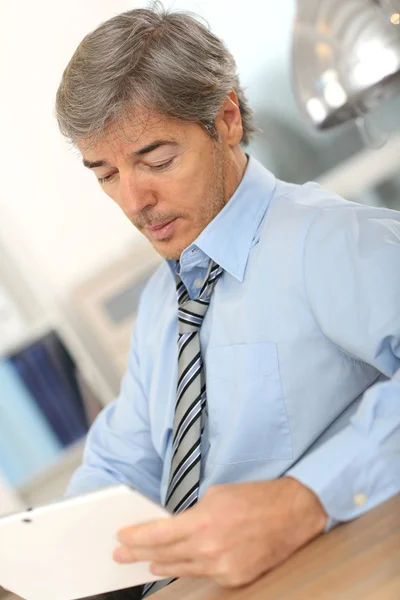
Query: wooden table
{"x": 356, "y": 561}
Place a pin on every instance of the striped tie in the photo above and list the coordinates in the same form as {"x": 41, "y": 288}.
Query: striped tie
{"x": 184, "y": 479}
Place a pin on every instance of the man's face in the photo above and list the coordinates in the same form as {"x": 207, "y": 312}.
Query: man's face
{"x": 169, "y": 178}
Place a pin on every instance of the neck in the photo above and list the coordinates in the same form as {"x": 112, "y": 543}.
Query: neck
{"x": 242, "y": 161}
{"x": 236, "y": 170}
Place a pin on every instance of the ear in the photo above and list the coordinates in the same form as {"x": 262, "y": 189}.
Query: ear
{"x": 229, "y": 120}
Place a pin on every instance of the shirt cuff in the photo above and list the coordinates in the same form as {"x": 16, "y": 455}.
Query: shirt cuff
{"x": 349, "y": 474}
{"x": 330, "y": 524}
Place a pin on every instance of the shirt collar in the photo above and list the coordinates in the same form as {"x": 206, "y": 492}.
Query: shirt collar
{"x": 228, "y": 238}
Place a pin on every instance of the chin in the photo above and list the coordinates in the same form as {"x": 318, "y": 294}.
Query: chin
{"x": 168, "y": 251}
{"x": 171, "y": 250}
{"x": 169, "y": 255}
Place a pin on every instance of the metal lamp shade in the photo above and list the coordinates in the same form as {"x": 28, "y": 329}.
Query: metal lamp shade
{"x": 346, "y": 59}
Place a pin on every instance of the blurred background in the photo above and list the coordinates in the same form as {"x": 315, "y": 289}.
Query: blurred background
{"x": 72, "y": 267}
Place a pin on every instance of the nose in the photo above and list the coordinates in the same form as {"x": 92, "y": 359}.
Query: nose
{"x": 135, "y": 196}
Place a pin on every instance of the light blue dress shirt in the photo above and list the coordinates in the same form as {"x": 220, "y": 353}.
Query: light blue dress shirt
{"x": 299, "y": 343}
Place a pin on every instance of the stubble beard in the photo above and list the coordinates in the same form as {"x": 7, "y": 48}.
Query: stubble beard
{"x": 217, "y": 201}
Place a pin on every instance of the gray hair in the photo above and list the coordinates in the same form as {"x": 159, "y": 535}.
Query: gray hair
{"x": 165, "y": 61}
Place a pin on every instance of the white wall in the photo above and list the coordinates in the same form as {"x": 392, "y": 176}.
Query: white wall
{"x": 53, "y": 216}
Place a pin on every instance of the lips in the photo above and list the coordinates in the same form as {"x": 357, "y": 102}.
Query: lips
{"x": 158, "y": 227}
{"x": 163, "y": 231}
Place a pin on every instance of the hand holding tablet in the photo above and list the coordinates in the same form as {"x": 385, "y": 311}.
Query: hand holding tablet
{"x": 65, "y": 549}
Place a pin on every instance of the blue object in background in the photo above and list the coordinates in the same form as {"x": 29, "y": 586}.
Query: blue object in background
{"x": 27, "y": 442}
{"x": 58, "y": 401}
{"x": 67, "y": 371}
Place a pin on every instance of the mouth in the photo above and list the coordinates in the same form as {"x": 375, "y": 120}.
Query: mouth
{"x": 163, "y": 231}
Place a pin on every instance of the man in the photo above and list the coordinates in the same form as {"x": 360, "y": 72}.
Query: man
{"x": 273, "y": 418}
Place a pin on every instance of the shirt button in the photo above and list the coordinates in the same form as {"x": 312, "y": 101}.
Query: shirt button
{"x": 198, "y": 283}
{"x": 360, "y": 499}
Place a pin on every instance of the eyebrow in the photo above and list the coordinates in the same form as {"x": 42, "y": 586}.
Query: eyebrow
{"x": 145, "y": 150}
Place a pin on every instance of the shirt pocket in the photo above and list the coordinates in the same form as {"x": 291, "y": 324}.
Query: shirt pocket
{"x": 247, "y": 413}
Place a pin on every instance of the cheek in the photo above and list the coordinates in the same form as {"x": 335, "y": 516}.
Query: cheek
{"x": 195, "y": 187}
{"x": 183, "y": 194}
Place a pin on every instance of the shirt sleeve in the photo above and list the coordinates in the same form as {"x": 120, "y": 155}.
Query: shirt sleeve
{"x": 352, "y": 277}
{"x": 119, "y": 447}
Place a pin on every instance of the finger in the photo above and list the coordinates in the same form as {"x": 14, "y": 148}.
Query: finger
{"x": 174, "y": 553}
{"x": 182, "y": 569}
{"x": 163, "y": 532}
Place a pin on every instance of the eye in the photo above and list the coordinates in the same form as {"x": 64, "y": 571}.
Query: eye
{"x": 163, "y": 166}
{"x": 106, "y": 179}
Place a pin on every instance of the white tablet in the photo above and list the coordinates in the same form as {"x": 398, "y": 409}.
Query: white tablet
{"x": 63, "y": 551}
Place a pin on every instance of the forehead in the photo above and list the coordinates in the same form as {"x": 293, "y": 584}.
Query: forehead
{"x": 133, "y": 133}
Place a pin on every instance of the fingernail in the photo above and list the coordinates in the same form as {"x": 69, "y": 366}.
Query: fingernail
{"x": 121, "y": 535}
{"x": 123, "y": 555}
{"x": 156, "y": 569}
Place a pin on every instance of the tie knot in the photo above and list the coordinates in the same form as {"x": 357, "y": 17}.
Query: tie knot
{"x": 192, "y": 312}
